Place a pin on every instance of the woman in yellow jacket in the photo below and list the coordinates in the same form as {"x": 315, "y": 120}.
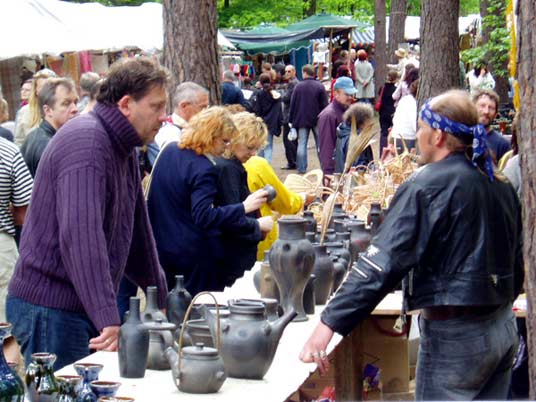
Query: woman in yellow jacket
{"x": 261, "y": 173}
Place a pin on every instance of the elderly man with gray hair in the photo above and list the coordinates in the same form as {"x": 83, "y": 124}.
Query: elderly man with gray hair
{"x": 189, "y": 99}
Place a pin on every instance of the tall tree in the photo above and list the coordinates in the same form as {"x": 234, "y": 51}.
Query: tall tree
{"x": 440, "y": 69}
{"x": 380, "y": 45}
{"x": 190, "y": 43}
{"x": 397, "y": 23}
{"x": 526, "y": 69}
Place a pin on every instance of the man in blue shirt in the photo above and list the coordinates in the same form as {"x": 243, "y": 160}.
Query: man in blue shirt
{"x": 230, "y": 93}
{"x": 487, "y": 103}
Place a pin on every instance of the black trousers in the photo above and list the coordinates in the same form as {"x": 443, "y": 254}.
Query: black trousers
{"x": 386, "y": 121}
{"x": 291, "y": 147}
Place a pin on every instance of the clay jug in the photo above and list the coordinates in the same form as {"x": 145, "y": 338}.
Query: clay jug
{"x": 339, "y": 272}
{"x": 89, "y": 372}
{"x": 268, "y": 286}
{"x": 177, "y": 301}
{"x": 345, "y": 239}
{"x": 336, "y": 248}
{"x": 309, "y": 296}
{"x": 11, "y": 386}
{"x": 311, "y": 236}
{"x": 359, "y": 238}
{"x": 340, "y": 226}
{"x": 291, "y": 263}
{"x": 338, "y": 214}
{"x": 41, "y": 385}
{"x": 160, "y": 338}
{"x": 68, "y": 386}
{"x": 323, "y": 270}
{"x": 152, "y": 312}
{"x": 133, "y": 344}
{"x": 248, "y": 341}
{"x": 271, "y": 306}
{"x": 310, "y": 221}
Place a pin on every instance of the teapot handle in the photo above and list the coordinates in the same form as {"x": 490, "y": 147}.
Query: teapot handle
{"x": 187, "y": 315}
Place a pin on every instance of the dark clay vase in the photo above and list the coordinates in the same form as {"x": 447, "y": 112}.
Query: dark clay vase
{"x": 41, "y": 384}
{"x": 89, "y": 372}
{"x": 68, "y": 386}
{"x": 152, "y": 312}
{"x": 311, "y": 236}
{"x": 309, "y": 296}
{"x": 133, "y": 344}
{"x": 267, "y": 285}
{"x": 339, "y": 272}
{"x": 345, "y": 239}
{"x": 249, "y": 341}
{"x": 11, "y": 386}
{"x": 374, "y": 217}
{"x": 336, "y": 248}
{"x": 177, "y": 301}
{"x": 310, "y": 221}
{"x": 338, "y": 215}
{"x": 340, "y": 226}
{"x": 359, "y": 238}
{"x": 323, "y": 270}
{"x": 291, "y": 261}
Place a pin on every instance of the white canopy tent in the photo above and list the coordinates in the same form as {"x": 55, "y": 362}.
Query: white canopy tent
{"x": 413, "y": 24}
{"x": 53, "y": 27}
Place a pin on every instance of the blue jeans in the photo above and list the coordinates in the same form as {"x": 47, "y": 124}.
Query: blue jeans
{"x": 266, "y": 152}
{"x": 43, "y": 329}
{"x": 467, "y": 358}
{"x": 303, "y": 139}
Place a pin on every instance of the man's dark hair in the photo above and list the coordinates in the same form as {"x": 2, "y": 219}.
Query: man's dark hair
{"x": 47, "y": 94}
{"x": 309, "y": 70}
{"x": 134, "y": 77}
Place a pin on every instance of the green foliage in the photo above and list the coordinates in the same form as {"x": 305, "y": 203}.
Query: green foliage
{"x": 495, "y": 51}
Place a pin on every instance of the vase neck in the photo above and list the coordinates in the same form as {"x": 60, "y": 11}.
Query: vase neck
{"x": 134, "y": 313}
{"x": 152, "y": 302}
{"x": 292, "y": 229}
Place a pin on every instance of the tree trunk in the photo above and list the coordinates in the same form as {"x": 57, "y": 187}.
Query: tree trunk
{"x": 397, "y": 23}
{"x": 380, "y": 55}
{"x": 191, "y": 44}
{"x": 310, "y": 7}
{"x": 439, "y": 64}
{"x": 526, "y": 70}
{"x": 225, "y": 3}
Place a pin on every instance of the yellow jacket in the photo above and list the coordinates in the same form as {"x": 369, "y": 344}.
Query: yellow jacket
{"x": 260, "y": 173}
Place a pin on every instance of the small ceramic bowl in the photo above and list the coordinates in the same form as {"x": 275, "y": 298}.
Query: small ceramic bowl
{"x": 116, "y": 399}
{"x": 104, "y": 388}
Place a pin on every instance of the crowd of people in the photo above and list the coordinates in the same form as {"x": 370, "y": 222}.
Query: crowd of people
{"x": 124, "y": 196}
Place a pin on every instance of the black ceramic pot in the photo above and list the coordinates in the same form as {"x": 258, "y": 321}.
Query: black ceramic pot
{"x": 133, "y": 344}
{"x": 152, "y": 312}
{"x": 323, "y": 270}
{"x": 41, "y": 385}
{"x": 177, "y": 301}
{"x": 310, "y": 221}
{"x": 291, "y": 263}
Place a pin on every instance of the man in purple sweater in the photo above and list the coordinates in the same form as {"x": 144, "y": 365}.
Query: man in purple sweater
{"x": 87, "y": 224}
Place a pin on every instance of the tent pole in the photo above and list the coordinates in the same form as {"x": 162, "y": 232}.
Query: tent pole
{"x": 330, "y": 52}
{"x": 351, "y": 65}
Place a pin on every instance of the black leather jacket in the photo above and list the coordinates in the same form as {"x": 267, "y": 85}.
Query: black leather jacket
{"x": 458, "y": 236}
{"x": 35, "y": 145}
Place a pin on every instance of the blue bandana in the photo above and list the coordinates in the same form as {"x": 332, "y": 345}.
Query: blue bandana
{"x": 478, "y": 132}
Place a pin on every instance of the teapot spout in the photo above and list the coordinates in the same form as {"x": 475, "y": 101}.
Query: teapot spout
{"x": 173, "y": 359}
{"x": 279, "y": 326}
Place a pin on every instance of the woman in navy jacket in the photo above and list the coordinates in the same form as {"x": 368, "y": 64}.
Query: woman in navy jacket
{"x": 187, "y": 227}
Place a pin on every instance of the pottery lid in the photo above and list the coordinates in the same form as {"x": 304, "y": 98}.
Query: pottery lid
{"x": 160, "y": 325}
{"x": 199, "y": 351}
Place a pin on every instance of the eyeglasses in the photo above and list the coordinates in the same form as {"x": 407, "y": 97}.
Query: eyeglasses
{"x": 288, "y": 71}
{"x": 226, "y": 142}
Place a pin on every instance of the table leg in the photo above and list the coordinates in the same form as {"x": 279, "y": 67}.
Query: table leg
{"x": 349, "y": 365}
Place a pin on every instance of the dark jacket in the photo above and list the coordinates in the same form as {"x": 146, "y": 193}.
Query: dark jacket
{"x": 287, "y": 96}
{"x": 309, "y": 98}
{"x": 232, "y": 95}
{"x": 341, "y": 149}
{"x": 497, "y": 144}
{"x": 240, "y": 248}
{"x": 328, "y": 121}
{"x": 264, "y": 105}
{"x": 457, "y": 234}
{"x": 35, "y": 144}
{"x": 388, "y": 103}
{"x": 187, "y": 227}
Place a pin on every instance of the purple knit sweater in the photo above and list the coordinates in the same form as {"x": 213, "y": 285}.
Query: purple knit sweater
{"x": 87, "y": 223}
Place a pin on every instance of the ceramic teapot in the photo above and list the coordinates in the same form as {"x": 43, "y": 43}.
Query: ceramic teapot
{"x": 160, "y": 338}
{"x": 249, "y": 340}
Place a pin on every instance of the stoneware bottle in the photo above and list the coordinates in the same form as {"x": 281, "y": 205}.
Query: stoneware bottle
{"x": 323, "y": 270}
{"x": 374, "y": 217}
{"x": 177, "y": 301}
{"x": 41, "y": 385}
{"x": 359, "y": 238}
{"x": 291, "y": 261}
{"x": 310, "y": 221}
{"x": 11, "y": 386}
{"x": 152, "y": 312}
{"x": 339, "y": 272}
{"x": 133, "y": 344}
{"x": 89, "y": 372}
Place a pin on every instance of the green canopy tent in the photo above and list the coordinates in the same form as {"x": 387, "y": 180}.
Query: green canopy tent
{"x": 269, "y": 39}
{"x": 329, "y": 24}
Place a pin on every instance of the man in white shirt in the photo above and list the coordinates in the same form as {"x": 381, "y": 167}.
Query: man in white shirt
{"x": 189, "y": 99}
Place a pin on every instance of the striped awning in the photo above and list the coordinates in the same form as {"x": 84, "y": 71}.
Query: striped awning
{"x": 363, "y": 36}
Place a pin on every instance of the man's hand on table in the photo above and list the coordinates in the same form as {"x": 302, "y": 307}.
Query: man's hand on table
{"x": 314, "y": 350}
{"x": 107, "y": 340}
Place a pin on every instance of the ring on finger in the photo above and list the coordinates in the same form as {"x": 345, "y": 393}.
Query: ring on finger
{"x": 316, "y": 355}
{"x": 323, "y": 354}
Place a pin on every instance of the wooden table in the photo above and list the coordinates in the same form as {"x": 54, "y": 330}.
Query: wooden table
{"x": 286, "y": 374}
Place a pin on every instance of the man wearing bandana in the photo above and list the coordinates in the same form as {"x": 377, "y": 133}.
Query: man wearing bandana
{"x": 440, "y": 237}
